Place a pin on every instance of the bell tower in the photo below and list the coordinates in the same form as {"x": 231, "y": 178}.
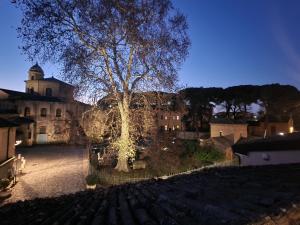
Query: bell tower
{"x": 35, "y": 73}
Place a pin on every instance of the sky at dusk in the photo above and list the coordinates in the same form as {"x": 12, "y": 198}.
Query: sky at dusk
{"x": 233, "y": 42}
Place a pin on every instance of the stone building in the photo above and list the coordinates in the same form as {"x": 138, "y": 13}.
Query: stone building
{"x": 7, "y": 146}
{"x": 46, "y": 112}
{"x": 227, "y": 127}
{"x": 273, "y": 126}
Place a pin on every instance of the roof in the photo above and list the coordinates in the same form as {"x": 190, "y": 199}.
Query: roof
{"x": 228, "y": 195}
{"x": 273, "y": 143}
{"x": 6, "y": 123}
{"x": 36, "y": 68}
{"x": 227, "y": 121}
{"x": 21, "y": 120}
{"x": 17, "y": 95}
{"x": 52, "y": 79}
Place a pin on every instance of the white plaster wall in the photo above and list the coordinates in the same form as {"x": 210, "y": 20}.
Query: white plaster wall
{"x": 275, "y": 158}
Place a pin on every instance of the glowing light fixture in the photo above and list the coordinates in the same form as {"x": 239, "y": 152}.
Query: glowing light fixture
{"x": 18, "y": 142}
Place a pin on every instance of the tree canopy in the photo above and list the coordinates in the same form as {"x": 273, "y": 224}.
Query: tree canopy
{"x": 114, "y": 47}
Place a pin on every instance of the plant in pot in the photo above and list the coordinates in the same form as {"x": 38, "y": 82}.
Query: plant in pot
{"x": 91, "y": 181}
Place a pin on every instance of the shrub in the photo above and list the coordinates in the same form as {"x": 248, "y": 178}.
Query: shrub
{"x": 4, "y": 183}
{"x": 91, "y": 179}
{"x": 205, "y": 154}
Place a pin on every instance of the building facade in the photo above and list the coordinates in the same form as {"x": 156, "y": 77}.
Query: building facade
{"x": 7, "y": 147}
{"x": 46, "y": 112}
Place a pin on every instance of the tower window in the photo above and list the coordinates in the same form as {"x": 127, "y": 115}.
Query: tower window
{"x": 31, "y": 90}
{"x": 58, "y": 112}
{"x": 48, "y": 92}
{"x": 27, "y": 111}
{"x": 32, "y": 77}
{"x": 43, "y": 112}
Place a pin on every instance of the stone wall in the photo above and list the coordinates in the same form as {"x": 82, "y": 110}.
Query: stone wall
{"x": 238, "y": 130}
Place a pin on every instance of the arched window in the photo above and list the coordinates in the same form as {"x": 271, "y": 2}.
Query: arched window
{"x": 32, "y": 77}
{"x": 27, "y": 111}
{"x": 58, "y": 112}
{"x": 48, "y": 92}
{"x": 43, "y": 112}
{"x": 31, "y": 90}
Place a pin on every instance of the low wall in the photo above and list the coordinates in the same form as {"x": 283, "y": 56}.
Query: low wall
{"x": 188, "y": 135}
{"x": 5, "y": 167}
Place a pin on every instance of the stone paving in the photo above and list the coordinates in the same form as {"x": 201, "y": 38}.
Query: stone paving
{"x": 50, "y": 171}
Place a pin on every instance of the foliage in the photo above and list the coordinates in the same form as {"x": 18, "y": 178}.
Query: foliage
{"x": 91, "y": 179}
{"x": 205, "y": 154}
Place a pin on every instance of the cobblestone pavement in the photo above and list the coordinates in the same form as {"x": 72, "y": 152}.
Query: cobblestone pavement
{"x": 50, "y": 171}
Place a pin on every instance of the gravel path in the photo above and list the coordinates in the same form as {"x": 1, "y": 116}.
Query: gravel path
{"x": 50, "y": 171}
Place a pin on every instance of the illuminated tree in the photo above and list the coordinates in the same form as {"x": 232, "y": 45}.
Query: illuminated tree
{"x": 116, "y": 47}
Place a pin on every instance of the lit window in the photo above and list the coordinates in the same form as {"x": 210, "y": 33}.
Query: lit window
{"x": 43, "y": 112}
{"x": 291, "y": 129}
{"x": 177, "y": 117}
{"x": 43, "y": 130}
{"x": 58, "y": 112}
{"x": 177, "y": 127}
{"x": 166, "y": 127}
{"x": 173, "y": 128}
{"x": 166, "y": 117}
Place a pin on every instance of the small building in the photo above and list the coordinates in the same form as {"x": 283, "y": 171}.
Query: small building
{"x": 223, "y": 127}
{"x": 46, "y": 112}
{"x": 279, "y": 149}
{"x": 270, "y": 126}
{"x": 7, "y": 146}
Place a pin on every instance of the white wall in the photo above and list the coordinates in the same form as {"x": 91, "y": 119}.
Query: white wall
{"x": 275, "y": 158}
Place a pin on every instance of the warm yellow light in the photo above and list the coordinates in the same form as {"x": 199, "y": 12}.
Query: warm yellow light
{"x": 291, "y": 129}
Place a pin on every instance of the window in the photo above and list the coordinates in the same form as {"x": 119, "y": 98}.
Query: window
{"x": 177, "y": 127}
{"x": 166, "y": 127}
{"x": 32, "y": 77}
{"x": 43, "y": 112}
{"x": 166, "y": 117}
{"x": 162, "y": 117}
{"x": 27, "y": 111}
{"x": 177, "y": 117}
{"x": 221, "y": 133}
{"x": 48, "y": 92}
{"x": 58, "y": 112}
{"x": 173, "y": 117}
{"x": 42, "y": 130}
{"x": 31, "y": 91}
{"x": 29, "y": 135}
{"x": 173, "y": 128}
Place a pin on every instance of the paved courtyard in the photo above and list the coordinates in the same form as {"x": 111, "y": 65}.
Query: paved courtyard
{"x": 50, "y": 171}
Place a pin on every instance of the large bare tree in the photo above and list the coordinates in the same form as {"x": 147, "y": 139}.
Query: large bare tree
{"x": 116, "y": 47}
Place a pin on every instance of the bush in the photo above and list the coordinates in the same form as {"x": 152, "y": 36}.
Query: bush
{"x": 91, "y": 179}
{"x": 205, "y": 154}
{"x": 4, "y": 183}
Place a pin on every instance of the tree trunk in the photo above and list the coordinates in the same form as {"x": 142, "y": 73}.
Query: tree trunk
{"x": 124, "y": 146}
